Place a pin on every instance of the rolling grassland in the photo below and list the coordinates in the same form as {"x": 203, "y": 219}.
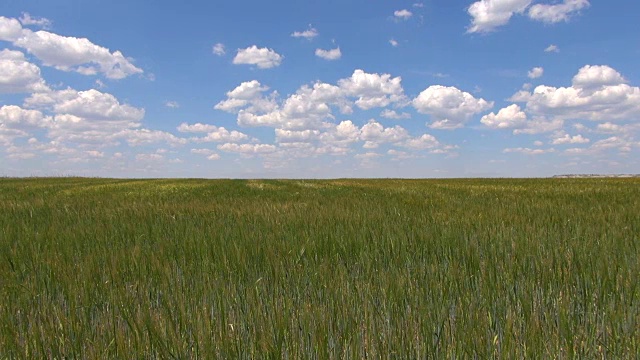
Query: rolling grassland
{"x": 326, "y": 269}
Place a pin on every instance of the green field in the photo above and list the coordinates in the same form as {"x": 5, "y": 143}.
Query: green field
{"x": 253, "y": 269}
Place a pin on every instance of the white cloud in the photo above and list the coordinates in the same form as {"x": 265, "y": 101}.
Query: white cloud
{"x": 10, "y": 29}
{"x": 449, "y": 107}
{"x": 374, "y": 134}
{"x": 589, "y": 77}
{"x": 222, "y": 135}
{"x": 214, "y": 133}
{"x": 528, "y": 151}
{"x": 556, "y": 12}
{"x": 27, "y": 20}
{"x": 196, "y": 128}
{"x": 535, "y": 73}
{"x": 332, "y": 54}
{"x": 17, "y": 75}
{"x": 552, "y": 48}
{"x": 599, "y": 93}
{"x": 263, "y": 58}
{"x": 15, "y": 117}
{"x": 138, "y": 137}
{"x": 510, "y": 117}
{"x": 172, "y": 104}
{"x": 564, "y": 138}
{"x": 249, "y": 149}
{"x": 308, "y": 34}
{"x": 68, "y": 53}
{"x": 372, "y": 90}
{"x": 403, "y": 14}
{"x": 219, "y": 49}
{"x": 392, "y": 114}
{"x": 426, "y": 141}
{"x": 210, "y": 154}
{"x": 487, "y": 15}
{"x": 393, "y": 43}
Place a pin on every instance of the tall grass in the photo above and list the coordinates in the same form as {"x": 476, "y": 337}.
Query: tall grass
{"x": 96, "y": 268}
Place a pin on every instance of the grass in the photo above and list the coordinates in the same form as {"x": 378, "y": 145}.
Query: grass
{"x": 100, "y": 268}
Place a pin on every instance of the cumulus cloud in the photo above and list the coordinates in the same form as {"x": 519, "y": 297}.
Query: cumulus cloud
{"x": 392, "y": 114}
{"x": 15, "y": 117}
{"x": 487, "y": 15}
{"x": 449, "y": 107}
{"x": 172, "y": 104}
{"x": 219, "y": 49}
{"x": 510, "y": 117}
{"x": 598, "y": 93}
{"x": 564, "y": 138}
{"x": 331, "y": 54}
{"x": 17, "y": 75}
{"x": 393, "y": 43}
{"x": 68, "y": 53}
{"x": 308, "y": 34}
{"x": 403, "y": 14}
{"x": 555, "y": 13}
{"x": 535, "y": 73}
{"x": 373, "y": 90}
{"x": 247, "y": 149}
{"x": 263, "y": 58}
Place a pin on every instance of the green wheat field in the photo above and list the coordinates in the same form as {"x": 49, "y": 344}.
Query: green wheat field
{"x": 322, "y": 269}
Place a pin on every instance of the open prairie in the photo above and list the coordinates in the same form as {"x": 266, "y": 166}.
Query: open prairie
{"x": 536, "y": 268}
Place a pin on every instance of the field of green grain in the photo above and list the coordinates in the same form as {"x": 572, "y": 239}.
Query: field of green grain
{"x": 331, "y": 269}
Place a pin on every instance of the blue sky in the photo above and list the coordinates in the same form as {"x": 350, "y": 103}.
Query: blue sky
{"x": 495, "y": 88}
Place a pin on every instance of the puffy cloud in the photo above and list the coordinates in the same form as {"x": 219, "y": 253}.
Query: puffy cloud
{"x": 172, "y": 104}
{"x": 27, "y": 20}
{"x": 535, "y": 73}
{"x": 426, "y": 141}
{"x": 137, "y": 137}
{"x": 552, "y": 48}
{"x": 564, "y": 138}
{"x": 219, "y": 49}
{"x": 308, "y": 34}
{"x": 331, "y": 54}
{"x": 214, "y": 133}
{"x": 392, "y": 114}
{"x": 374, "y": 134}
{"x": 95, "y": 105}
{"x": 247, "y": 93}
{"x": 372, "y": 90}
{"x": 309, "y": 107}
{"x": 68, "y": 53}
{"x": 248, "y": 149}
{"x": 449, "y": 107}
{"x": 10, "y": 29}
{"x": 296, "y": 136}
{"x": 622, "y": 144}
{"x": 263, "y": 58}
{"x": 599, "y": 93}
{"x": 490, "y": 14}
{"x": 196, "y": 128}
{"x": 528, "y": 151}
{"x": 403, "y": 14}
{"x": 394, "y": 43}
{"x": 510, "y": 117}
{"x": 594, "y": 76}
{"x": 222, "y": 135}
{"x": 15, "y": 117}
{"x": 556, "y": 12}
{"x": 17, "y": 75}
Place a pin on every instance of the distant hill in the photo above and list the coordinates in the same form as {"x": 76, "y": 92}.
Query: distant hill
{"x": 566, "y": 176}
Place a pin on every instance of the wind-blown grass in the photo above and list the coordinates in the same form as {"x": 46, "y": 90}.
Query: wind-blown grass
{"x": 97, "y": 268}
